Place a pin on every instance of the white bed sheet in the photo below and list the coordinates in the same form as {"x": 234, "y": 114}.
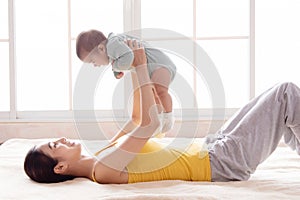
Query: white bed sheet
{"x": 277, "y": 178}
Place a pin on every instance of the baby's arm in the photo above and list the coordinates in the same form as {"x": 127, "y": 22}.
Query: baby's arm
{"x": 119, "y": 51}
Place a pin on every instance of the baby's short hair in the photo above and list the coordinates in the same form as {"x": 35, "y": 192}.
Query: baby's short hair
{"x": 88, "y": 40}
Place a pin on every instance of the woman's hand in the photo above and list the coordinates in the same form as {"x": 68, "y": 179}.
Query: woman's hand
{"x": 138, "y": 51}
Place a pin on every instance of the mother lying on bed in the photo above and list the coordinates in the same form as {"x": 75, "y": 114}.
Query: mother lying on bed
{"x": 234, "y": 153}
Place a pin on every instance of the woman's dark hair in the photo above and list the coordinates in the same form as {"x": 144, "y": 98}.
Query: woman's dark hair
{"x": 87, "y": 41}
{"x": 40, "y": 167}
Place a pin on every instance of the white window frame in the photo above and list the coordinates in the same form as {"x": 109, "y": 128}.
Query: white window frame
{"x": 132, "y": 21}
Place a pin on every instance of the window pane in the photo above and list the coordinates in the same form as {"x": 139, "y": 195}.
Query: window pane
{"x": 107, "y": 92}
{"x": 182, "y": 87}
{"x": 42, "y": 55}
{"x": 182, "y": 97}
{"x": 174, "y": 15}
{"x": 223, "y": 17}
{"x": 3, "y": 19}
{"x": 231, "y": 58}
{"x": 106, "y": 16}
{"x": 4, "y": 77}
{"x": 277, "y": 43}
{"x": 203, "y": 93}
{"x": 110, "y": 91}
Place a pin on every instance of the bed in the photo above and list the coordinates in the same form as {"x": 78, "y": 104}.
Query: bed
{"x": 277, "y": 178}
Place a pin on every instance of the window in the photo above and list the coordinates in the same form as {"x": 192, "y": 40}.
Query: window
{"x": 222, "y": 18}
{"x": 168, "y": 14}
{"x": 42, "y": 47}
{"x": 4, "y": 19}
{"x": 277, "y": 43}
{"x": 47, "y": 67}
{"x": 220, "y": 28}
{"x": 233, "y": 67}
{"x": 4, "y": 77}
{"x": 105, "y": 16}
{"x": 4, "y": 61}
{"x": 42, "y": 52}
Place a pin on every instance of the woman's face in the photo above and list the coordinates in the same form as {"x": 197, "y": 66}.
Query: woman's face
{"x": 62, "y": 149}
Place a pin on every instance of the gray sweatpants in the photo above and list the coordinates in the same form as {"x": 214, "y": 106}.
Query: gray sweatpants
{"x": 253, "y": 133}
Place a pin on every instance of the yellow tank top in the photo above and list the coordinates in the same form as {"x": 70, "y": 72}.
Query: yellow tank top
{"x": 157, "y": 161}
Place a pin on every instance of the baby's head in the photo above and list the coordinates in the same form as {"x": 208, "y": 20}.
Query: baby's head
{"x": 91, "y": 47}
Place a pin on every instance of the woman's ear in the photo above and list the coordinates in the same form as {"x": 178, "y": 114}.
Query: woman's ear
{"x": 61, "y": 167}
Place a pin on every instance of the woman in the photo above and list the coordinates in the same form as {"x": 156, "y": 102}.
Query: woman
{"x": 244, "y": 142}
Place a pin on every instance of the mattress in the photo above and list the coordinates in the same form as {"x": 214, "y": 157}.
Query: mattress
{"x": 277, "y": 178}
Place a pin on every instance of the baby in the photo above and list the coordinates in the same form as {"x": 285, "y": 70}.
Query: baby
{"x": 94, "y": 47}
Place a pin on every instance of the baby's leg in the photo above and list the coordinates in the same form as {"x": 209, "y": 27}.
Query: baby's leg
{"x": 255, "y": 132}
{"x": 161, "y": 78}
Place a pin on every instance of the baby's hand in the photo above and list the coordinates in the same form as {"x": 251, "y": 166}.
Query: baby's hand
{"x": 138, "y": 51}
{"x": 118, "y": 75}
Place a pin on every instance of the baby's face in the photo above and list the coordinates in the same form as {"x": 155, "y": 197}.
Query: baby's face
{"x": 97, "y": 58}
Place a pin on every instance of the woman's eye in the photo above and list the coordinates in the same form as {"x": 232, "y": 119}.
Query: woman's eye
{"x": 55, "y": 145}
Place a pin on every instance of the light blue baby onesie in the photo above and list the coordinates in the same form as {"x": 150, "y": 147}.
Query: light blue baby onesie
{"x": 122, "y": 56}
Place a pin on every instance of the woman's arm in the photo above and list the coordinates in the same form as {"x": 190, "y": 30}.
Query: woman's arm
{"x": 114, "y": 163}
{"x": 136, "y": 111}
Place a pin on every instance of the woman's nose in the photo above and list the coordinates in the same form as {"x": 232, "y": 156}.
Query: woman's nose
{"x": 62, "y": 140}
